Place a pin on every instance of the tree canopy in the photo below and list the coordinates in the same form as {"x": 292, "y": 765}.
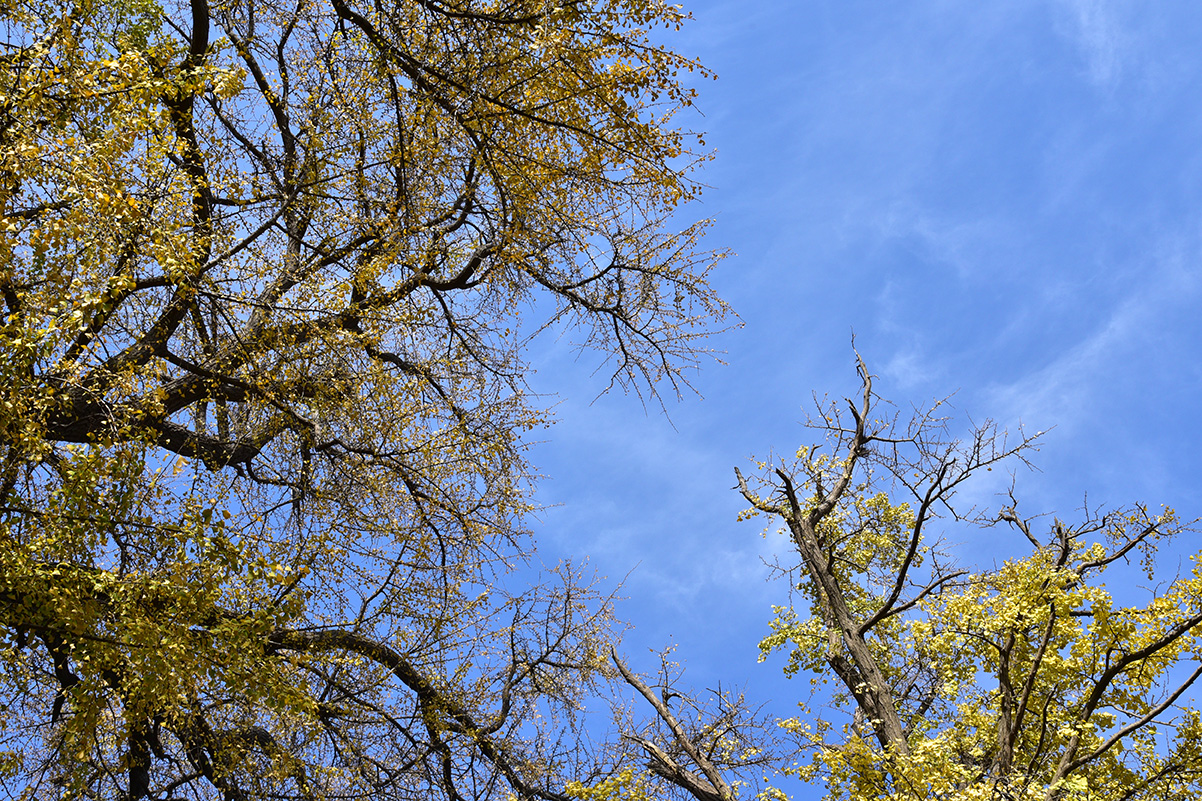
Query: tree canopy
{"x": 270, "y": 270}
{"x": 1026, "y": 681}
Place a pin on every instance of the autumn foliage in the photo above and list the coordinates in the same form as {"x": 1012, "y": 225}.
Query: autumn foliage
{"x": 1028, "y": 680}
{"x": 269, "y": 271}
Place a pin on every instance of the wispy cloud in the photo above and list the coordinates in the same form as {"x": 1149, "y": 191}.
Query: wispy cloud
{"x": 968, "y": 243}
{"x": 910, "y": 367}
{"x": 1102, "y": 32}
{"x": 1063, "y": 392}
{"x": 1067, "y": 390}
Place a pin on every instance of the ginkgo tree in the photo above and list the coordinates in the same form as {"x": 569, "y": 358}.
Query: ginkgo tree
{"x": 932, "y": 681}
{"x": 269, "y": 269}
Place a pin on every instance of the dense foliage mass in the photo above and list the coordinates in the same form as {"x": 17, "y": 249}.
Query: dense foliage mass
{"x": 262, "y": 382}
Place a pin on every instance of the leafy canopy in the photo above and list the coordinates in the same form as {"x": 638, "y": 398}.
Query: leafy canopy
{"x": 262, "y": 384}
{"x": 1028, "y": 681}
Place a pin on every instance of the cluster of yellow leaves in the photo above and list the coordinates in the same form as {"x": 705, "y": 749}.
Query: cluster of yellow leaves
{"x": 626, "y": 785}
{"x": 1026, "y": 681}
{"x": 868, "y": 534}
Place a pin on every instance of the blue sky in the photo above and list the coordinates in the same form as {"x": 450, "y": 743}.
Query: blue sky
{"x": 1002, "y": 200}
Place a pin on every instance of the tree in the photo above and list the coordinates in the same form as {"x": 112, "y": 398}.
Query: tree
{"x": 1028, "y": 681}
{"x": 267, "y": 268}
{"x": 708, "y": 749}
